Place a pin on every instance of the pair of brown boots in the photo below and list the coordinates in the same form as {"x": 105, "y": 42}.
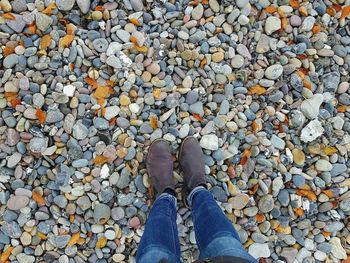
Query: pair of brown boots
{"x": 159, "y": 165}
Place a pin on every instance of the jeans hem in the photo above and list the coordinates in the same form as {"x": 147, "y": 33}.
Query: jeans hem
{"x": 193, "y": 192}
{"x": 169, "y": 197}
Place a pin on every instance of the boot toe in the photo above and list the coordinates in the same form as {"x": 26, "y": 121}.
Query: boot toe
{"x": 160, "y": 145}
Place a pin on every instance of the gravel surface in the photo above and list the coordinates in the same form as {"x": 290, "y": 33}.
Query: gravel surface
{"x": 86, "y": 86}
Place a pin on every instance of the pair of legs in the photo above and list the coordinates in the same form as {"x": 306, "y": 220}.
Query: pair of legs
{"x": 215, "y": 234}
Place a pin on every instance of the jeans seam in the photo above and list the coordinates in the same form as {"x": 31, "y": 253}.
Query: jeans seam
{"x": 171, "y": 226}
{"x": 194, "y": 224}
{"x": 170, "y": 214}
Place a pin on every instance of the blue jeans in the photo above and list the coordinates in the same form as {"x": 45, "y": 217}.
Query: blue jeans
{"x": 215, "y": 234}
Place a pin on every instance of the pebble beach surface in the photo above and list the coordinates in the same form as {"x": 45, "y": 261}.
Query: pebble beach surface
{"x": 86, "y": 86}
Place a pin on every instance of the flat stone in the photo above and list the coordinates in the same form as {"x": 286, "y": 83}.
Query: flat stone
{"x": 210, "y": 142}
{"x": 277, "y": 142}
{"x": 197, "y": 12}
{"x": 14, "y": 160}
{"x": 323, "y": 165}
{"x": 311, "y": 107}
{"x": 263, "y": 44}
{"x": 137, "y": 5}
{"x": 187, "y": 82}
{"x": 337, "y": 249}
{"x": 10, "y": 61}
{"x": 258, "y": 250}
{"x": 17, "y": 202}
{"x": 65, "y": 5}
{"x": 237, "y": 61}
{"x": 24, "y": 258}
{"x": 272, "y": 24}
{"x": 239, "y": 201}
{"x": 43, "y": 22}
{"x": 266, "y": 204}
{"x": 111, "y": 112}
{"x": 214, "y": 5}
{"x": 84, "y": 5}
{"x": 274, "y": 72}
{"x": 17, "y": 24}
{"x": 330, "y": 81}
{"x": 123, "y": 35}
{"x": 298, "y": 156}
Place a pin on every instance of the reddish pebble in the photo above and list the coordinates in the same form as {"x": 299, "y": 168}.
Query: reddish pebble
{"x": 134, "y": 222}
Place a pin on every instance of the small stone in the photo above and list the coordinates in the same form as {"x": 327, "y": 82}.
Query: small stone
{"x": 65, "y": 5}
{"x": 16, "y": 24}
{"x": 134, "y": 222}
{"x": 111, "y": 112}
{"x": 84, "y": 202}
{"x": 10, "y": 61}
{"x": 137, "y": 5}
{"x": 124, "y": 100}
{"x": 295, "y": 20}
{"x": 307, "y": 24}
{"x": 311, "y": 107}
{"x": 184, "y": 35}
{"x": 283, "y": 197}
{"x": 241, "y": 3}
{"x": 258, "y": 250}
{"x": 197, "y": 108}
{"x": 323, "y": 165}
{"x": 102, "y": 213}
{"x": 38, "y": 145}
{"x": 214, "y": 5}
{"x": 217, "y": 56}
{"x": 14, "y": 160}
{"x": 274, "y": 72}
{"x": 272, "y": 24}
{"x": 80, "y": 131}
{"x": 331, "y": 81}
{"x": 209, "y": 142}
{"x": 24, "y": 258}
{"x": 337, "y": 249}
{"x": 59, "y": 241}
{"x": 197, "y": 12}
{"x": 100, "y": 44}
{"x": 43, "y": 22}
{"x": 117, "y": 213}
{"x": 187, "y": 82}
{"x": 237, "y": 61}
{"x": 311, "y": 131}
{"x": 243, "y": 51}
{"x": 266, "y": 204}
{"x": 17, "y": 202}
{"x": 69, "y": 90}
{"x": 298, "y": 156}
{"x": 239, "y": 201}
{"x": 263, "y": 44}
{"x": 84, "y": 5}
{"x": 277, "y": 142}
{"x": 123, "y": 35}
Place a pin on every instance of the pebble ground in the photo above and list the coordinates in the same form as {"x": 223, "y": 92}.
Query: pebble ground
{"x": 86, "y": 86}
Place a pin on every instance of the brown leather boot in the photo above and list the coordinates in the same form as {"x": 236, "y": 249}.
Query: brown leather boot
{"x": 192, "y": 163}
{"x": 159, "y": 165}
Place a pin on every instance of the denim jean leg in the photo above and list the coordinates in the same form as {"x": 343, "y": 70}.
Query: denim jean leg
{"x": 215, "y": 234}
{"x": 160, "y": 239}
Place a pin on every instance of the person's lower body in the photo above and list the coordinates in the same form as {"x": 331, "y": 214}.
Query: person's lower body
{"x": 160, "y": 241}
{"x": 215, "y": 234}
